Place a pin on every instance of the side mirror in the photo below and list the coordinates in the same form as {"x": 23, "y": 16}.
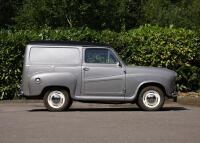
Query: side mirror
{"x": 119, "y": 64}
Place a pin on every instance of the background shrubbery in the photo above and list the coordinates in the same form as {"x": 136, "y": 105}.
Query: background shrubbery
{"x": 176, "y": 49}
{"x": 117, "y": 23}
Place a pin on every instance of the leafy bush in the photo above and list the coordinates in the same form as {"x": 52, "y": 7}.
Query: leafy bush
{"x": 176, "y": 49}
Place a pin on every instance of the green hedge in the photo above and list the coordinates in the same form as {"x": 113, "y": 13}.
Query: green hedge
{"x": 176, "y": 49}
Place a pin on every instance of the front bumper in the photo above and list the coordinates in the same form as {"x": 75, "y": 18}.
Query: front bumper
{"x": 20, "y": 93}
{"x": 174, "y": 96}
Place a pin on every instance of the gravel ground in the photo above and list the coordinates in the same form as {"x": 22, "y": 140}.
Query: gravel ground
{"x": 188, "y": 100}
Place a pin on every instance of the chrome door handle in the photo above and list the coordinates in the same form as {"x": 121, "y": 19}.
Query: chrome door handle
{"x": 86, "y": 69}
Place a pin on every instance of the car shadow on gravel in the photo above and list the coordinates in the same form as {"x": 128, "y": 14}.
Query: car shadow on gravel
{"x": 111, "y": 109}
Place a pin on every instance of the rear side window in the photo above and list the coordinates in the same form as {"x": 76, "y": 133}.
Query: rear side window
{"x": 102, "y": 56}
{"x": 54, "y": 55}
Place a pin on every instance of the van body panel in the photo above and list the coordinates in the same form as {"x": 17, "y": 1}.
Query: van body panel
{"x": 88, "y": 77}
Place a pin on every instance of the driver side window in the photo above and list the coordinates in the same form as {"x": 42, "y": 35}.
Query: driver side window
{"x": 101, "y": 56}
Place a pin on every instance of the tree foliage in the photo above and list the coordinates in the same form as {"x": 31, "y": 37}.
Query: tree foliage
{"x": 99, "y": 14}
{"x": 181, "y": 13}
{"x": 8, "y": 10}
{"x": 115, "y": 15}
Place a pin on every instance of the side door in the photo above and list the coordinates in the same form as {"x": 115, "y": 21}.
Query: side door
{"x": 102, "y": 73}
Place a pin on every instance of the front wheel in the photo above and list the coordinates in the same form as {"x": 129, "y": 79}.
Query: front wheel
{"x": 151, "y": 98}
{"x": 57, "y": 100}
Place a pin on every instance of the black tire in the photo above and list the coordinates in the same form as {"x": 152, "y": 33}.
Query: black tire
{"x": 52, "y": 94}
{"x": 70, "y": 104}
{"x": 137, "y": 104}
{"x": 153, "y": 92}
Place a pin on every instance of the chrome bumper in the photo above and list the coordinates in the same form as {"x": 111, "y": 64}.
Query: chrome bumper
{"x": 20, "y": 93}
{"x": 174, "y": 96}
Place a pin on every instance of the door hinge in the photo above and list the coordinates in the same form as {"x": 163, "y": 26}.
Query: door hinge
{"x": 124, "y": 90}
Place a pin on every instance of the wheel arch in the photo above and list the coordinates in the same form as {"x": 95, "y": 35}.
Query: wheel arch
{"x": 142, "y": 86}
{"x": 54, "y": 87}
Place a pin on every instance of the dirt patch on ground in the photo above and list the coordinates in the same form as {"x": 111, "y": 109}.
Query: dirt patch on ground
{"x": 189, "y": 98}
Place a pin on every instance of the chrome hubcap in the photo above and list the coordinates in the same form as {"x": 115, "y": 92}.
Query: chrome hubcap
{"x": 151, "y": 98}
{"x": 56, "y": 99}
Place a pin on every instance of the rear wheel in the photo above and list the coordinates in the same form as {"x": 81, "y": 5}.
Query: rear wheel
{"x": 57, "y": 100}
{"x": 151, "y": 98}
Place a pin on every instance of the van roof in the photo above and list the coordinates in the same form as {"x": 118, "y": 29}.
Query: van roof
{"x": 66, "y": 43}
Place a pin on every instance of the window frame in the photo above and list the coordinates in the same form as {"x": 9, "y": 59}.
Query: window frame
{"x": 104, "y": 48}
{"x": 64, "y": 47}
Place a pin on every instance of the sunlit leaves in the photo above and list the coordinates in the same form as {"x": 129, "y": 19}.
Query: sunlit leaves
{"x": 176, "y": 49}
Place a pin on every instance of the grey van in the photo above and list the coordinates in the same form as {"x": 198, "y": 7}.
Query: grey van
{"x": 62, "y": 72}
